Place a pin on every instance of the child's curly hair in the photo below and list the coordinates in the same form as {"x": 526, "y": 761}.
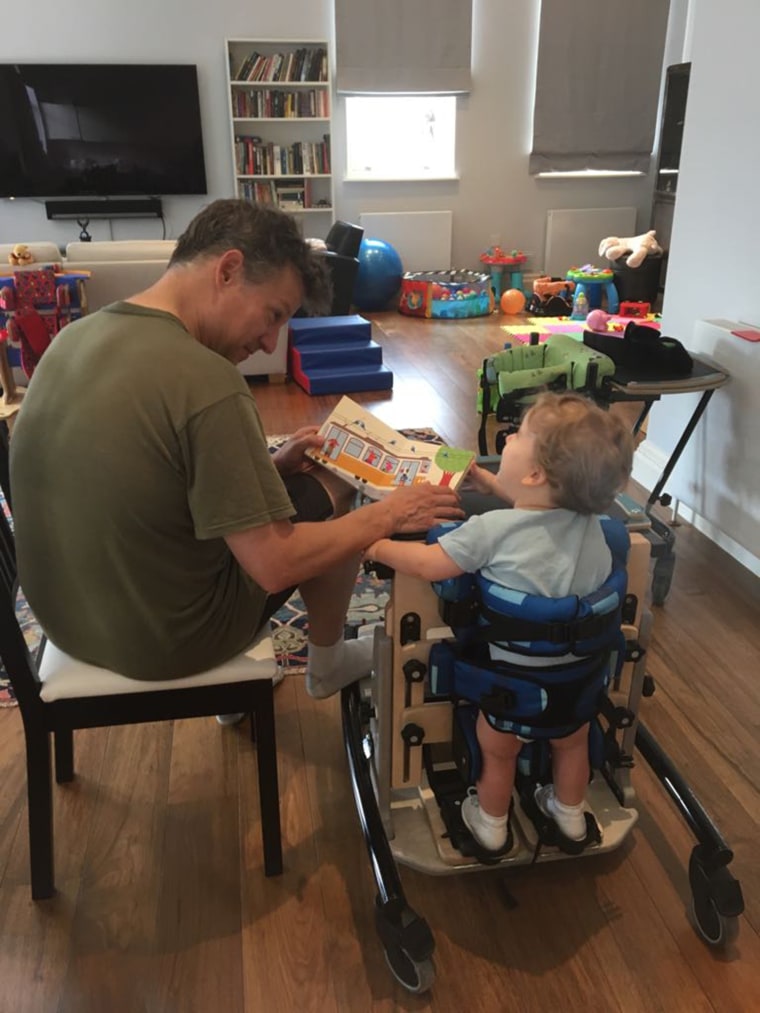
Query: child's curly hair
{"x": 585, "y": 452}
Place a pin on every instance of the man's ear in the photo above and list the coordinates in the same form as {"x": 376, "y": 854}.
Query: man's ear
{"x": 229, "y": 267}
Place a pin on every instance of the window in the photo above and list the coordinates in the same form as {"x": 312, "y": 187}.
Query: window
{"x": 400, "y": 137}
{"x": 597, "y": 85}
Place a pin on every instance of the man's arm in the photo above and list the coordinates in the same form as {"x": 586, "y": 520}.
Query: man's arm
{"x": 281, "y": 554}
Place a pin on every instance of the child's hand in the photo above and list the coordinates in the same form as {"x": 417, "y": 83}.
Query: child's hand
{"x": 369, "y": 552}
{"x": 480, "y": 479}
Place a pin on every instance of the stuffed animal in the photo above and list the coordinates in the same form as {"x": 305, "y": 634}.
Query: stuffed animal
{"x": 639, "y": 247}
{"x": 20, "y": 255}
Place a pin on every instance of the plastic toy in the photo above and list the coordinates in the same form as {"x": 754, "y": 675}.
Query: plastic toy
{"x": 446, "y": 294}
{"x": 379, "y": 276}
{"x": 497, "y": 261}
{"x": 512, "y": 301}
{"x": 638, "y": 248}
{"x": 597, "y": 320}
{"x": 634, "y": 309}
{"x": 592, "y": 281}
{"x": 546, "y": 286}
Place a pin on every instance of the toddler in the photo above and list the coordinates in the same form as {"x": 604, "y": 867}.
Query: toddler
{"x": 558, "y": 472}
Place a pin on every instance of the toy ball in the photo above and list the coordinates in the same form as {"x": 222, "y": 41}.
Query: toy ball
{"x": 379, "y": 276}
{"x": 597, "y": 320}
{"x": 512, "y": 301}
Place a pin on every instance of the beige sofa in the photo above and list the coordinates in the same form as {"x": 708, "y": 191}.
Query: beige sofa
{"x": 119, "y": 268}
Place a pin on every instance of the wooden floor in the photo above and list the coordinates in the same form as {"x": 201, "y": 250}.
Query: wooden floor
{"x": 162, "y": 904}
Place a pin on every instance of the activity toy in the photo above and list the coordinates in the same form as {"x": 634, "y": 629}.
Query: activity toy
{"x": 446, "y": 294}
{"x": 500, "y": 263}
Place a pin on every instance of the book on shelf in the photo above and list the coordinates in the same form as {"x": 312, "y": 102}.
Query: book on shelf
{"x": 376, "y": 459}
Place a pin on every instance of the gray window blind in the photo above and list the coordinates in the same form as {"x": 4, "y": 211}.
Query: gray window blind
{"x": 401, "y": 46}
{"x": 597, "y": 84}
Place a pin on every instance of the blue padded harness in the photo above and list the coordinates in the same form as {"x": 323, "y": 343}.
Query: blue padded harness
{"x": 557, "y": 697}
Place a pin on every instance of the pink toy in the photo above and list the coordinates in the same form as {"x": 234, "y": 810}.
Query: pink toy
{"x": 597, "y": 321}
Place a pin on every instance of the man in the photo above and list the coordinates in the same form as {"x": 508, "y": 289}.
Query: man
{"x": 155, "y": 533}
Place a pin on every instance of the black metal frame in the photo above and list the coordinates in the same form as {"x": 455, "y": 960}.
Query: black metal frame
{"x": 716, "y": 893}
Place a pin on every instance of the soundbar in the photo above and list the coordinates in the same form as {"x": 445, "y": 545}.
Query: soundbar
{"x": 105, "y": 207}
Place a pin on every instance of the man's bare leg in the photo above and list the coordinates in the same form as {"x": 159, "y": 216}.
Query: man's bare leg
{"x": 333, "y": 662}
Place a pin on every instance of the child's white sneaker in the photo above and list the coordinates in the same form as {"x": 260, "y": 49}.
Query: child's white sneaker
{"x": 571, "y": 819}
{"x": 490, "y": 832}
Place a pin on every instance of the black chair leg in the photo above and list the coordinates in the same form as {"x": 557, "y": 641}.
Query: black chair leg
{"x": 40, "y": 797}
{"x": 64, "y": 755}
{"x": 269, "y": 793}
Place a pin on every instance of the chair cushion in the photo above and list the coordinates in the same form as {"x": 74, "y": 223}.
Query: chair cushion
{"x": 65, "y": 678}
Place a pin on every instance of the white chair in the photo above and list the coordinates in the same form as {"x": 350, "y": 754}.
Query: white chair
{"x": 57, "y": 694}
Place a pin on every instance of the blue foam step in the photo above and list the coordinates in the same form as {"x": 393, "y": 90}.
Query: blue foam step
{"x": 347, "y": 380}
{"x": 351, "y": 353}
{"x": 305, "y": 330}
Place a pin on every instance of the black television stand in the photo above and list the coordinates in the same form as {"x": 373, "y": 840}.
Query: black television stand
{"x": 104, "y": 207}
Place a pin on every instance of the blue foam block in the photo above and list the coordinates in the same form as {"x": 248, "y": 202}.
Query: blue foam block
{"x": 347, "y": 380}
{"x": 329, "y": 329}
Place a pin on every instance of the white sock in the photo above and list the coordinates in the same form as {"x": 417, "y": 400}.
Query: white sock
{"x": 571, "y": 819}
{"x": 331, "y": 668}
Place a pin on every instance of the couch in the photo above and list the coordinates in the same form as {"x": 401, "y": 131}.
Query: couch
{"x": 119, "y": 268}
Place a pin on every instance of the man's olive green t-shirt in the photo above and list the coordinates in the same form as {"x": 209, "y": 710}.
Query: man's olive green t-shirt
{"x": 136, "y": 450}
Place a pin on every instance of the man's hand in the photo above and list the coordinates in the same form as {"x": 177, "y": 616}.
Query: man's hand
{"x": 419, "y": 507}
{"x": 290, "y": 458}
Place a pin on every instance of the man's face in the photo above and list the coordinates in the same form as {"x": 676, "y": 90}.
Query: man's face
{"x": 248, "y": 316}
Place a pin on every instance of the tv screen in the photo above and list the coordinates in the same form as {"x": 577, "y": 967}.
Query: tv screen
{"x": 100, "y": 130}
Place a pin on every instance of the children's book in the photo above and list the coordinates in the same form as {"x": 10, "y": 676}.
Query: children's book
{"x": 377, "y": 459}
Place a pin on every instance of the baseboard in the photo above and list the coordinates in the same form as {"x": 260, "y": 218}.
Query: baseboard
{"x": 648, "y": 464}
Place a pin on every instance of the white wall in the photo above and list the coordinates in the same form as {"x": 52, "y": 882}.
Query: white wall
{"x": 494, "y": 196}
{"x": 713, "y": 273}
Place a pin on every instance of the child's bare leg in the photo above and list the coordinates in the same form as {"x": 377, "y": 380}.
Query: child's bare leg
{"x": 570, "y": 767}
{"x": 499, "y": 751}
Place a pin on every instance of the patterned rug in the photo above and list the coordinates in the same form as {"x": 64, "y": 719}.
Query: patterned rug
{"x": 290, "y": 626}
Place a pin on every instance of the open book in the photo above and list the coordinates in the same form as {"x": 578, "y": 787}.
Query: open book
{"x": 377, "y": 459}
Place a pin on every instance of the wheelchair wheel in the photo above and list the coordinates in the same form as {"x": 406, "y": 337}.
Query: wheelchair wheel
{"x": 415, "y": 975}
{"x": 716, "y": 901}
{"x": 715, "y": 929}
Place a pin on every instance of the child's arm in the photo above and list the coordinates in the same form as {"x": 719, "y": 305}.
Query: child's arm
{"x": 416, "y": 559}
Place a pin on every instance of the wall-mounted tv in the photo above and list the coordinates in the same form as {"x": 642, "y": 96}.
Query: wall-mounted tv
{"x": 100, "y": 130}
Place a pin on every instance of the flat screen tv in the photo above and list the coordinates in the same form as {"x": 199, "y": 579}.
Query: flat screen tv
{"x": 97, "y": 130}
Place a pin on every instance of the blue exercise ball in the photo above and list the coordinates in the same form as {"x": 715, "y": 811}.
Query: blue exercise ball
{"x": 379, "y": 276}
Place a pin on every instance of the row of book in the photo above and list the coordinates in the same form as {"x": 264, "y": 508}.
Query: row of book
{"x": 254, "y": 157}
{"x": 288, "y": 194}
{"x": 276, "y": 104}
{"x": 297, "y": 65}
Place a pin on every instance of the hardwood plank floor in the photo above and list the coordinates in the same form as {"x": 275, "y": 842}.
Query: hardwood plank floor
{"x": 162, "y": 902}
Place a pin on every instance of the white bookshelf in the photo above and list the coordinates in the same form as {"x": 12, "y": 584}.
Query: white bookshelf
{"x": 280, "y": 111}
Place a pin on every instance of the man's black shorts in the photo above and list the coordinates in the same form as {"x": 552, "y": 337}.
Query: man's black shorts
{"x": 311, "y": 502}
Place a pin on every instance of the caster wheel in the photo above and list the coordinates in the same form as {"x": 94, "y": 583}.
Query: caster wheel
{"x": 415, "y": 975}
{"x": 715, "y": 929}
